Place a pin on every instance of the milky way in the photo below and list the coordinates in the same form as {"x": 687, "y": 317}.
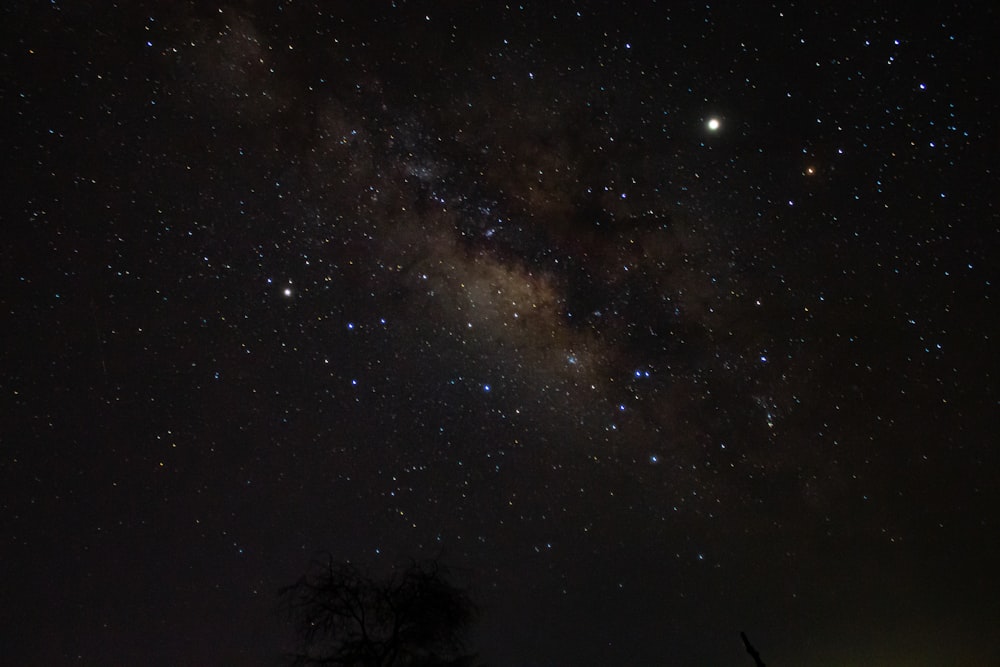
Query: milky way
{"x": 657, "y": 324}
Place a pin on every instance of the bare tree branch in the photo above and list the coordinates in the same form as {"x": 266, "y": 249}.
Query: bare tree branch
{"x": 751, "y": 650}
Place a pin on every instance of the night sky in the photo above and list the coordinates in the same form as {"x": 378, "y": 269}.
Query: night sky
{"x": 657, "y": 322}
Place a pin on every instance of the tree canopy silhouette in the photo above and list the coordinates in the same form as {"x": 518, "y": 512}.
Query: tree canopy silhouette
{"x": 346, "y": 617}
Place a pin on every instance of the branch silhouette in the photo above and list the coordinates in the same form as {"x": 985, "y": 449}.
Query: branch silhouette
{"x": 751, "y": 650}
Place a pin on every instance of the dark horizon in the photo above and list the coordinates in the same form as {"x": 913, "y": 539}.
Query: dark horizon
{"x": 657, "y": 322}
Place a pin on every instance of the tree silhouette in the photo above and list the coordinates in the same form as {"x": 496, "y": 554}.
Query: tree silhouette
{"x": 347, "y": 618}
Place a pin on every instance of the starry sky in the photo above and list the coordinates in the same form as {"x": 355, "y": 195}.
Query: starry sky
{"x": 657, "y": 322}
